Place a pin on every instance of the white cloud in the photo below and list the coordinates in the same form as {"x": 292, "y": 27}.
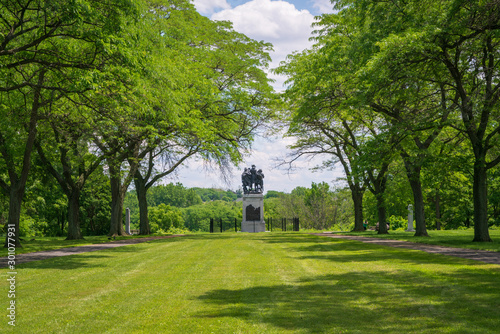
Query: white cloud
{"x": 277, "y": 22}
{"x": 208, "y": 7}
{"x": 268, "y": 20}
{"x": 323, "y": 6}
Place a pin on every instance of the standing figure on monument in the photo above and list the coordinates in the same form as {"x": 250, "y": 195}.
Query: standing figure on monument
{"x": 253, "y": 172}
{"x": 246, "y": 179}
{"x": 259, "y": 183}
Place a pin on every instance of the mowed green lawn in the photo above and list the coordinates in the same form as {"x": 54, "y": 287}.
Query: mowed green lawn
{"x": 254, "y": 283}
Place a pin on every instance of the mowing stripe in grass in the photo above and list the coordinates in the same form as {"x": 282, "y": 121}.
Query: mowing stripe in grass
{"x": 262, "y": 283}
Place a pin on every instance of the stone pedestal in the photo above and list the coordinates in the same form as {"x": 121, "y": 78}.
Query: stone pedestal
{"x": 410, "y": 219}
{"x": 127, "y": 221}
{"x": 253, "y": 213}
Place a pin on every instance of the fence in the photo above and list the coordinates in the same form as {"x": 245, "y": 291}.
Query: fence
{"x": 283, "y": 224}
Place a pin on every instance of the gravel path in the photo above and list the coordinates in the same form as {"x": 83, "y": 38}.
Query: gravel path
{"x": 36, "y": 256}
{"x": 472, "y": 254}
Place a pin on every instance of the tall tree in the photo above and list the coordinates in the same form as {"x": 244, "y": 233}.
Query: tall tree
{"x": 226, "y": 95}
{"x": 147, "y": 176}
{"x": 41, "y": 42}
{"x": 64, "y": 149}
{"x": 459, "y": 39}
{"x": 322, "y": 119}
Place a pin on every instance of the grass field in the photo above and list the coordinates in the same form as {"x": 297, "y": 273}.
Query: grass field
{"x": 254, "y": 283}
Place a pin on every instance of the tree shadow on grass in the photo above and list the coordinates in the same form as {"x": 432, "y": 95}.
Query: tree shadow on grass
{"x": 75, "y": 260}
{"x": 291, "y": 238}
{"x": 64, "y": 262}
{"x": 362, "y": 302}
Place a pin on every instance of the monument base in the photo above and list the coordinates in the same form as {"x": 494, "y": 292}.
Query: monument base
{"x": 253, "y": 213}
{"x": 253, "y": 226}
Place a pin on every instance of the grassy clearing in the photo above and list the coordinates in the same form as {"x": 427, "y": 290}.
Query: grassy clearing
{"x": 255, "y": 283}
{"x": 450, "y": 238}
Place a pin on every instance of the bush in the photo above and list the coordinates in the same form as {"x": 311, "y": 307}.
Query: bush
{"x": 164, "y": 217}
{"x": 178, "y": 230}
{"x": 26, "y": 226}
{"x": 397, "y": 223}
{"x": 159, "y": 231}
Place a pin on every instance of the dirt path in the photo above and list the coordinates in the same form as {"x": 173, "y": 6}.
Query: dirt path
{"x": 472, "y": 254}
{"x": 36, "y": 256}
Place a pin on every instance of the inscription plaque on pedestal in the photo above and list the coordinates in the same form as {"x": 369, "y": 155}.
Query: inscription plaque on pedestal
{"x": 252, "y": 213}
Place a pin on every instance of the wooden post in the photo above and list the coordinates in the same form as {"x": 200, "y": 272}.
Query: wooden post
{"x": 220, "y": 219}
{"x": 211, "y": 225}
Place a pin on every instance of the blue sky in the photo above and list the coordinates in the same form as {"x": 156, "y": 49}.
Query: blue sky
{"x": 287, "y": 25}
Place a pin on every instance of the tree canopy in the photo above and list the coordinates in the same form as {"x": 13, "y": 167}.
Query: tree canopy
{"x": 131, "y": 88}
{"x": 397, "y": 80}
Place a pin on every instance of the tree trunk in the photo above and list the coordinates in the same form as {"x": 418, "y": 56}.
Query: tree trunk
{"x": 140, "y": 187}
{"x": 378, "y": 187}
{"x": 357, "y": 198}
{"x": 18, "y": 184}
{"x": 74, "y": 232}
{"x": 15, "y": 200}
{"x": 117, "y": 198}
{"x": 480, "y": 193}
{"x": 418, "y": 199}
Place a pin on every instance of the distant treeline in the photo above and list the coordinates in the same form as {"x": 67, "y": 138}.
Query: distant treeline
{"x": 174, "y": 205}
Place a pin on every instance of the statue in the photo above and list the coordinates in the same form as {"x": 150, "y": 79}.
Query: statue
{"x": 252, "y": 180}
{"x": 259, "y": 182}
{"x": 246, "y": 179}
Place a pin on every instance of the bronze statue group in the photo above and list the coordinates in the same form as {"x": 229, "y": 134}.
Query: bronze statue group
{"x": 253, "y": 181}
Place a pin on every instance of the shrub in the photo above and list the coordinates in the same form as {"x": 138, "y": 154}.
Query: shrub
{"x": 178, "y": 230}
{"x": 26, "y": 226}
{"x": 397, "y": 222}
{"x": 165, "y": 217}
{"x": 30, "y": 227}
